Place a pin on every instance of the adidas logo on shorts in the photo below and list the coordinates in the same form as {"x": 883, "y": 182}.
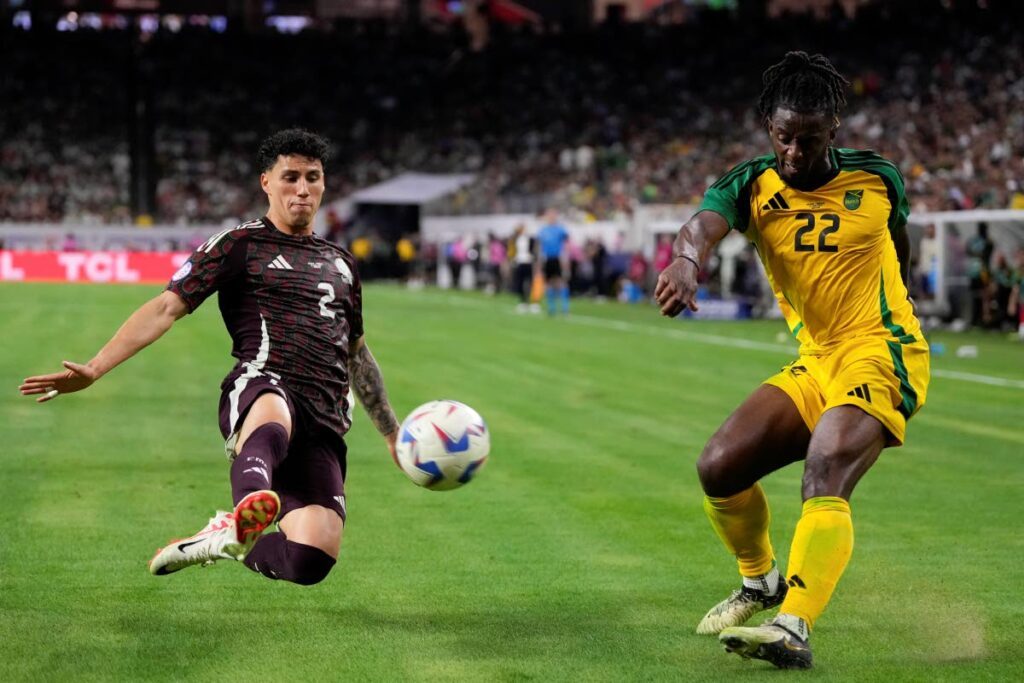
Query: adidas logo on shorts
{"x": 861, "y": 392}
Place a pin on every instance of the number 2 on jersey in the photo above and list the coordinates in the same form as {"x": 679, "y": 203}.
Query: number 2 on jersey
{"x": 808, "y": 226}
{"x": 326, "y": 299}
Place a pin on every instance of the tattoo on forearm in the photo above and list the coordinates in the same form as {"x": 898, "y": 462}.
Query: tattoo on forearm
{"x": 368, "y": 385}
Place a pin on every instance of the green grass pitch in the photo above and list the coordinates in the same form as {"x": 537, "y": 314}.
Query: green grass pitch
{"x": 580, "y": 553}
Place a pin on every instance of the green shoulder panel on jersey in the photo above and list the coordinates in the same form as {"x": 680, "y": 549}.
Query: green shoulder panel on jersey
{"x": 870, "y": 162}
{"x": 729, "y": 196}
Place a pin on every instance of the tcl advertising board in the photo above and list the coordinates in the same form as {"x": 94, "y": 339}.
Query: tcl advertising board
{"x": 90, "y": 266}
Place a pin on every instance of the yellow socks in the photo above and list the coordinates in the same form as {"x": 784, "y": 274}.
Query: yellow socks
{"x": 821, "y": 549}
{"x": 741, "y": 521}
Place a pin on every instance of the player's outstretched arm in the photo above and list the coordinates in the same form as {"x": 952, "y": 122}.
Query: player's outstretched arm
{"x": 147, "y": 324}
{"x": 368, "y": 385}
{"x": 677, "y": 284}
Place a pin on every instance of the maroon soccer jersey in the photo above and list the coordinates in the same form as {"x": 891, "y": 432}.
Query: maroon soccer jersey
{"x": 292, "y": 305}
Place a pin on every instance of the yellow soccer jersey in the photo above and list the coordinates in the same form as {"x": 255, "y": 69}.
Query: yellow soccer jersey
{"x": 828, "y": 253}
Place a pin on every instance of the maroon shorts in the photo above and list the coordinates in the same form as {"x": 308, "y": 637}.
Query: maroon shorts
{"x": 314, "y": 471}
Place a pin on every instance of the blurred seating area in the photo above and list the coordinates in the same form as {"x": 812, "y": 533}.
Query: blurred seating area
{"x": 103, "y": 126}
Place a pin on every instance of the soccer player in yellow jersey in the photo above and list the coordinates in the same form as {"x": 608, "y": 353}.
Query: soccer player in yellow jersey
{"x": 829, "y": 225}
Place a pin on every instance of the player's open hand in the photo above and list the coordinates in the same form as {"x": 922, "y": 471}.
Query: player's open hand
{"x": 75, "y": 377}
{"x": 677, "y": 288}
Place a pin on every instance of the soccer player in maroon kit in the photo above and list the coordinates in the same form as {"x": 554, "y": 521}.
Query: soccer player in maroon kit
{"x": 292, "y": 304}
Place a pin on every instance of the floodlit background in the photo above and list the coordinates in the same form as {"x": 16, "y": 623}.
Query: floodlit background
{"x": 127, "y": 136}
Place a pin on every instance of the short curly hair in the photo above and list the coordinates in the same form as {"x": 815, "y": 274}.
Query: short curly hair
{"x": 292, "y": 141}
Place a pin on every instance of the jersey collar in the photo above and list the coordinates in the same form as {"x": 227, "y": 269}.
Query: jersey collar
{"x": 833, "y": 172}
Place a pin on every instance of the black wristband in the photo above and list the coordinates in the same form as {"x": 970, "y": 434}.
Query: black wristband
{"x": 690, "y": 260}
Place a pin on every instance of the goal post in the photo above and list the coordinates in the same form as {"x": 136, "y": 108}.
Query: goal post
{"x": 942, "y": 237}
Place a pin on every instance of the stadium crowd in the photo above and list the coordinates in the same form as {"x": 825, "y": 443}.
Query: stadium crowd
{"x": 542, "y": 117}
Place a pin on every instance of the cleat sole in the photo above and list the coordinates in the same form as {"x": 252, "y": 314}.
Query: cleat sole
{"x": 253, "y": 515}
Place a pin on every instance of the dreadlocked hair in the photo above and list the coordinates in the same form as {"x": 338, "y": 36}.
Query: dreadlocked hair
{"x": 804, "y": 83}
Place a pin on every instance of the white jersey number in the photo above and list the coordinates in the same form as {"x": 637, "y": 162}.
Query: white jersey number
{"x": 326, "y": 299}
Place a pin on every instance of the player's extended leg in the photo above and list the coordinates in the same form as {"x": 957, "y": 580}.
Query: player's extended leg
{"x": 764, "y": 434}
{"x": 845, "y": 444}
{"x": 305, "y": 549}
{"x": 261, "y": 446}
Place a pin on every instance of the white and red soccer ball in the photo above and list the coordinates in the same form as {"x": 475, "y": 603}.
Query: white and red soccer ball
{"x": 442, "y": 445}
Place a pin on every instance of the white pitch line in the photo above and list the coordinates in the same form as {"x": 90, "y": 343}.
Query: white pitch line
{"x": 980, "y": 379}
{"x": 719, "y": 340}
{"x": 713, "y": 339}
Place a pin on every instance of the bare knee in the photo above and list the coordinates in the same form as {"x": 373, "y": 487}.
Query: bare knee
{"x": 314, "y": 525}
{"x": 844, "y": 446}
{"x": 835, "y": 472}
{"x": 716, "y": 470}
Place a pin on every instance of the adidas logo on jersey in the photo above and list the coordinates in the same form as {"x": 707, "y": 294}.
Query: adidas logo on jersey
{"x": 280, "y": 264}
{"x": 776, "y": 202}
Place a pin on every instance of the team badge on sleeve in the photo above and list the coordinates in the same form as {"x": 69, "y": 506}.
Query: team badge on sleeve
{"x": 185, "y": 269}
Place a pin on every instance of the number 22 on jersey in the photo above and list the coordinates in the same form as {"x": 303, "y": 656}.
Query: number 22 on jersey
{"x": 807, "y": 229}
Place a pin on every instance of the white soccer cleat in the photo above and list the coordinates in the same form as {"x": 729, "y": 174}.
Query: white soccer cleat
{"x": 736, "y": 609}
{"x": 227, "y": 536}
{"x": 217, "y": 541}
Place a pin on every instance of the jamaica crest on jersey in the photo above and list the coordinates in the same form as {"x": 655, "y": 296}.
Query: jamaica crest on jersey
{"x": 852, "y": 199}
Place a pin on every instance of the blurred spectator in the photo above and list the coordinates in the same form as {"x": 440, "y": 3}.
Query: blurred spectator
{"x": 598, "y": 255}
{"x": 457, "y": 254}
{"x": 637, "y": 271}
{"x": 1015, "y": 308}
{"x": 405, "y": 248}
{"x": 927, "y": 262}
{"x": 662, "y": 253}
{"x": 496, "y": 256}
{"x": 1003, "y": 278}
{"x": 747, "y": 282}
{"x": 979, "y": 253}
{"x": 523, "y": 257}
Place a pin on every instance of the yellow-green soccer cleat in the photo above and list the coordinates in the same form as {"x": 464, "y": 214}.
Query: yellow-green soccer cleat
{"x": 227, "y": 536}
{"x": 738, "y": 607}
{"x": 770, "y": 642}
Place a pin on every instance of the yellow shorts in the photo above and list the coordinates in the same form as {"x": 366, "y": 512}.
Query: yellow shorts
{"x": 884, "y": 378}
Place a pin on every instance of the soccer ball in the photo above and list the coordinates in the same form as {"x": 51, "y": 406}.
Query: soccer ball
{"x": 442, "y": 445}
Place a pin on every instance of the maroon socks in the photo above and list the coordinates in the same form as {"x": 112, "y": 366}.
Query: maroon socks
{"x": 276, "y": 557}
{"x": 253, "y": 468}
